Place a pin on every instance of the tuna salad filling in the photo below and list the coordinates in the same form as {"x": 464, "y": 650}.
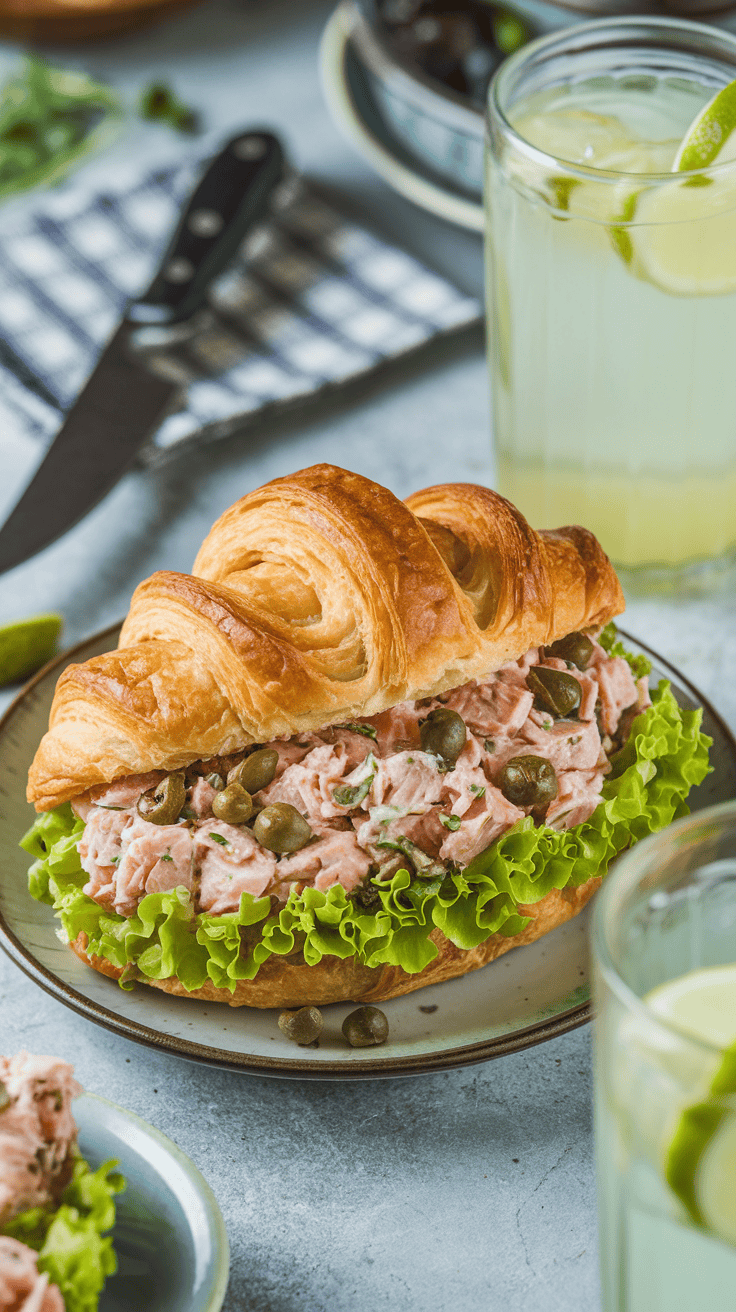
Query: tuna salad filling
{"x": 455, "y": 812}
{"x": 360, "y": 799}
{"x": 23, "y": 1288}
{"x": 53, "y": 1208}
{"x": 37, "y": 1131}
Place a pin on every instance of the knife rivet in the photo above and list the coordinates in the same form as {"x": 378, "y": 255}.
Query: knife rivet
{"x": 249, "y": 148}
{"x": 205, "y": 223}
{"x": 180, "y": 270}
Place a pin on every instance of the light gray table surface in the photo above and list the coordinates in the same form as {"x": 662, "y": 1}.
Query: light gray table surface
{"x": 467, "y": 1190}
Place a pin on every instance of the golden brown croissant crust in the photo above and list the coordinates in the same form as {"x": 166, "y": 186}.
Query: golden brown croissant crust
{"x": 288, "y": 982}
{"x": 314, "y": 599}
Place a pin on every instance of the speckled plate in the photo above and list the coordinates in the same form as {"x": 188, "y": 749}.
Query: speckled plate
{"x": 169, "y": 1234}
{"x": 528, "y": 995}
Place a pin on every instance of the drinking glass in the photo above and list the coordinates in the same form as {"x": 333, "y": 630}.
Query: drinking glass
{"x": 664, "y": 949}
{"x": 611, "y": 293}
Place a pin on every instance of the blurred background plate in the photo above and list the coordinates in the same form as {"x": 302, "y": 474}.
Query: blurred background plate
{"x": 433, "y": 161}
{"x": 80, "y": 20}
{"x": 169, "y": 1234}
{"x": 527, "y": 996}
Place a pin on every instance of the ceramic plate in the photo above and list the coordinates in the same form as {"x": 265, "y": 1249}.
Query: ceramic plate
{"x": 528, "y": 995}
{"x": 352, "y": 106}
{"x": 169, "y": 1234}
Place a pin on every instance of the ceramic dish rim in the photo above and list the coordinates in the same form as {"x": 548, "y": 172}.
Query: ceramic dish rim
{"x": 416, "y": 88}
{"x": 380, "y": 1067}
{"x": 216, "y": 1221}
{"x": 408, "y": 181}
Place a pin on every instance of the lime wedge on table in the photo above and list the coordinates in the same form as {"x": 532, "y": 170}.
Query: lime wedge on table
{"x": 27, "y": 645}
{"x": 684, "y": 238}
{"x": 700, "y": 1165}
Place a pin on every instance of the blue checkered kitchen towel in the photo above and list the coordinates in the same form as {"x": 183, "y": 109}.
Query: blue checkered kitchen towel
{"x": 316, "y": 300}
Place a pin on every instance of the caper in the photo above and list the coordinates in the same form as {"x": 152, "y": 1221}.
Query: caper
{"x": 425, "y": 866}
{"x": 215, "y": 781}
{"x": 443, "y": 734}
{"x": 233, "y": 804}
{"x": 528, "y": 781}
{"x": 365, "y": 1028}
{"x": 281, "y": 829}
{"x": 161, "y": 805}
{"x": 367, "y": 898}
{"x": 302, "y": 1026}
{"x": 576, "y": 648}
{"x": 555, "y": 691}
{"x": 5, "y": 1098}
{"x": 256, "y": 771}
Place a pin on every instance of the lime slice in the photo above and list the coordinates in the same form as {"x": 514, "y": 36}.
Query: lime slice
{"x": 700, "y": 1163}
{"x": 596, "y": 141}
{"x": 710, "y": 139}
{"x": 685, "y": 236}
{"x": 701, "y": 1003}
{"x": 27, "y": 645}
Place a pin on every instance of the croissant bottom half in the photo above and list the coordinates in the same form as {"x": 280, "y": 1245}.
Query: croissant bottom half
{"x": 285, "y": 982}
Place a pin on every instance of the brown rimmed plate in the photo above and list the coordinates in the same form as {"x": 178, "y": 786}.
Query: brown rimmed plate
{"x": 528, "y": 995}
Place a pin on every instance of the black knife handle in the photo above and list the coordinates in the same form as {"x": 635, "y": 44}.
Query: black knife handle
{"x": 232, "y": 196}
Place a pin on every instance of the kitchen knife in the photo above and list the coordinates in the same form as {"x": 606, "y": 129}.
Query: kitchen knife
{"x": 123, "y": 403}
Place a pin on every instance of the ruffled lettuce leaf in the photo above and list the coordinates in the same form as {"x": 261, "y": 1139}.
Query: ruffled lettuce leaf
{"x": 664, "y": 757}
{"x": 70, "y": 1239}
{"x": 609, "y": 640}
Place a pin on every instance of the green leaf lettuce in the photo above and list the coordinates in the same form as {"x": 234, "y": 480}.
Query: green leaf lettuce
{"x": 650, "y": 778}
{"x": 70, "y": 1239}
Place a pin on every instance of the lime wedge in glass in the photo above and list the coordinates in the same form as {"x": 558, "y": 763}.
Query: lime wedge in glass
{"x": 710, "y": 139}
{"x": 684, "y": 240}
{"x": 700, "y": 1159}
{"x": 27, "y": 645}
{"x": 597, "y": 141}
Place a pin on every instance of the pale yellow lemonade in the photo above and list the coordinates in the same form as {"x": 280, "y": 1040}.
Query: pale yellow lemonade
{"x": 612, "y": 339}
{"x": 666, "y": 1145}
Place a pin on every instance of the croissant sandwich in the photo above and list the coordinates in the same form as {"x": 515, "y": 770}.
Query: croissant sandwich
{"x": 367, "y": 745}
{"x": 54, "y": 1209}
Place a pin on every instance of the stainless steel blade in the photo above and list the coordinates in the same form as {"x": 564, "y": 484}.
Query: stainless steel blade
{"x": 119, "y": 408}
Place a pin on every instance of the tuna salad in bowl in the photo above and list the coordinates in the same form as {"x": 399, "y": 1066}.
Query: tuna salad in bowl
{"x": 55, "y": 1211}
{"x": 459, "y": 745}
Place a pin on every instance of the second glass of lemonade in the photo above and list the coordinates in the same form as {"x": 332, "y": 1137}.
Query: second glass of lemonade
{"x": 612, "y": 294}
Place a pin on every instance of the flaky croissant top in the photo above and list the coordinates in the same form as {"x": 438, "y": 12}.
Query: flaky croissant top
{"x": 315, "y": 599}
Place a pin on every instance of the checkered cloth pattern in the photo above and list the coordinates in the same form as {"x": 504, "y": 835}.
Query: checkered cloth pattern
{"x": 312, "y": 300}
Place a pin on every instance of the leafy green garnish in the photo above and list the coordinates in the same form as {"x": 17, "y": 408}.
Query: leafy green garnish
{"x": 665, "y": 756}
{"x": 478, "y": 789}
{"x": 48, "y": 117}
{"x": 218, "y": 838}
{"x": 452, "y": 822}
{"x": 611, "y": 643}
{"x": 367, "y": 730}
{"x": 162, "y": 105}
{"x": 353, "y": 794}
{"x": 70, "y": 1239}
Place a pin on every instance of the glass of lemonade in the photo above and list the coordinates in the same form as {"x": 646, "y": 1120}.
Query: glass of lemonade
{"x": 611, "y": 285}
{"x": 664, "y": 946}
